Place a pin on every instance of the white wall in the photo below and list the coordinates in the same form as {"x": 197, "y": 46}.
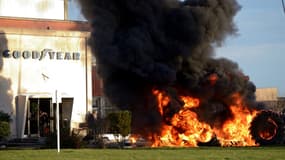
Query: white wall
{"x": 46, "y": 9}
{"x": 28, "y": 76}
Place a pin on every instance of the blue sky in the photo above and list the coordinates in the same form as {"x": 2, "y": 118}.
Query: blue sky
{"x": 259, "y": 47}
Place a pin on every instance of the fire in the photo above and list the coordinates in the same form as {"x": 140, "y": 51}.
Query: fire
{"x": 163, "y": 100}
{"x": 186, "y": 130}
{"x": 213, "y": 78}
{"x": 235, "y": 132}
{"x": 133, "y": 139}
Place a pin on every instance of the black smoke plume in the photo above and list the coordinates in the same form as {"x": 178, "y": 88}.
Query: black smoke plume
{"x": 141, "y": 45}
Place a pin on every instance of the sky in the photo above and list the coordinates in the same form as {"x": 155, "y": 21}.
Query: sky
{"x": 259, "y": 47}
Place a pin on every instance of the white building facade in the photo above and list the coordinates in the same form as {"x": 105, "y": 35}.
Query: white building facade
{"x": 41, "y": 57}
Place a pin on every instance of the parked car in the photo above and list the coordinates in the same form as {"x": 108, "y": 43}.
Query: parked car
{"x": 128, "y": 144}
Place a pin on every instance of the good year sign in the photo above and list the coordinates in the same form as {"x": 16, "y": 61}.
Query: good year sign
{"x": 40, "y": 55}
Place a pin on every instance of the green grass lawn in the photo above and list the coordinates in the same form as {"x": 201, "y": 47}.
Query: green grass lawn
{"x": 202, "y": 153}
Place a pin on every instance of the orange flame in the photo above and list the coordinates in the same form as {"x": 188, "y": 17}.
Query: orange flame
{"x": 235, "y": 132}
{"x": 162, "y": 99}
{"x": 185, "y": 129}
{"x": 191, "y": 130}
{"x": 213, "y": 78}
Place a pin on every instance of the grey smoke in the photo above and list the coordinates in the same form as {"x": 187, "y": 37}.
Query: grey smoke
{"x": 169, "y": 45}
{"x": 5, "y": 83}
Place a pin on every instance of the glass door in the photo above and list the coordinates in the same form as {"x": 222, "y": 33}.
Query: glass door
{"x": 39, "y": 121}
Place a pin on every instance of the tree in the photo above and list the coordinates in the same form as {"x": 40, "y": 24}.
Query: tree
{"x": 120, "y": 122}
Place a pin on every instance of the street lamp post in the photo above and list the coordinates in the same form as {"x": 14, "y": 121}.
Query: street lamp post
{"x": 57, "y": 100}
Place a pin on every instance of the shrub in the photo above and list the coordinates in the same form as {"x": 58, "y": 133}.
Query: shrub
{"x": 4, "y": 117}
{"x": 120, "y": 122}
{"x": 4, "y": 129}
{"x": 4, "y": 125}
{"x": 67, "y": 140}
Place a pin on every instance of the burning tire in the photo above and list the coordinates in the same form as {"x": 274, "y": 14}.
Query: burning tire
{"x": 213, "y": 142}
{"x": 267, "y": 128}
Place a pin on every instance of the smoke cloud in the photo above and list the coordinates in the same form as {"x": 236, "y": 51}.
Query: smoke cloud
{"x": 141, "y": 45}
{"x": 5, "y": 84}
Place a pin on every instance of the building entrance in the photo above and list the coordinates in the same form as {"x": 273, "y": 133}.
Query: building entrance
{"x": 39, "y": 118}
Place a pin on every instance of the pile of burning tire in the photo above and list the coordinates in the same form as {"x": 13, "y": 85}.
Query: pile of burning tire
{"x": 267, "y": 128}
